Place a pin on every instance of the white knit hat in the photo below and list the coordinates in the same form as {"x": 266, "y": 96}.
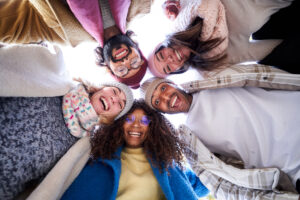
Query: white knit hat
{"x": 148, "y": 87}
{"x": 128, "y": 93}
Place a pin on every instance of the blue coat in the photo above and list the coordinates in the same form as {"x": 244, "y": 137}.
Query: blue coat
{"x": 101, "y": 181}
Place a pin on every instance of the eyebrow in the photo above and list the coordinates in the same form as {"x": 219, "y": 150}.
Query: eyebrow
{"x": 164, "y": 69}
{"x": 153, "y": 92}
{"x": 157, "y": 51}
{"x": 124, "y": 101}
{"x": 157, "y": 57}
{"x": 119, "y": 90}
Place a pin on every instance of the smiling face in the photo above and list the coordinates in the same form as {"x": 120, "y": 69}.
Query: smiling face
{"x": 169, "y": 99}
{"x": 126, "y": 61}
{"x": 136, "y": 128}
{"x": 108, "y": 101}
{"x": 170, "y": 59}
{"x": 122, "y": 56}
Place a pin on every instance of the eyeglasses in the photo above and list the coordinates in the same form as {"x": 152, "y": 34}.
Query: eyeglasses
{"x": 122, "y": 70}
{"x": 144, "y": 121}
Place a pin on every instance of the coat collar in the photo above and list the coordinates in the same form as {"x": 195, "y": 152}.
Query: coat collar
{"x": 162, "y": 177}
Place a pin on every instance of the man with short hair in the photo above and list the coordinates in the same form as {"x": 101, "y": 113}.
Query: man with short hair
{"x": 257, "y": 126}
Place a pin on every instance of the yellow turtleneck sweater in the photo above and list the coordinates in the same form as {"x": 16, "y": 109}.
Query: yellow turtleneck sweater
{"x": 137, "y": 180}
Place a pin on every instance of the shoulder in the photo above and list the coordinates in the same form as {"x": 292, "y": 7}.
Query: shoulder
{"x": 254, "y": 75}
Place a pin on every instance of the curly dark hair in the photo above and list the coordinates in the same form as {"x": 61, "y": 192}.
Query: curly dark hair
{"x": 162, "y": 145}
{"x": 191, "y": 38}
{"x": 102, "y": 55}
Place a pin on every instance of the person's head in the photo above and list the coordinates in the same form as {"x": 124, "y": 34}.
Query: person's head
{"x": 110, "y": 100}
{"x": 140, "y": 127}
{"x": 168, "y": 59}
{"x": 164, "y": 96}
{"x": 183, "y": 49}
{"x": 124, "y": 60}
{"x": 171, "y": 8}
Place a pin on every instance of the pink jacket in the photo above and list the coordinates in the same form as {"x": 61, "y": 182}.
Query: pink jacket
{"x": 88, "y": 13}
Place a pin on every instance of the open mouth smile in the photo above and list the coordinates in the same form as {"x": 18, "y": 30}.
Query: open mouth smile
{"x": 135, "y": 134}
{"x": 121, "y": 53}
{"x": 104, "y": 103}
{"x": 178, "y": 55}
{"x": 174, "y": 101}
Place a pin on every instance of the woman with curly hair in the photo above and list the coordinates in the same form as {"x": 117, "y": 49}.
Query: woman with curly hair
{"x": 43, "y": 113}
{"x": 138, "y": 157}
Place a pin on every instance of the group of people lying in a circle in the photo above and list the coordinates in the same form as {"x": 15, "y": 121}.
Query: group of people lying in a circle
{"x": 238, "y": 113}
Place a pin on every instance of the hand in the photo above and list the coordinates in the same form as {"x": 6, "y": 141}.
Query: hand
{"x": 171, "y": 8}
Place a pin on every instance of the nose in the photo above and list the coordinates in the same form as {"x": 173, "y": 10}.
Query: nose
{"x": 170, "y": 58}
{"x": 115, "y": 98}
{"x": 164, "y": 97}
{"x": 126, "y": 63}
{"x": 136, "y": 123}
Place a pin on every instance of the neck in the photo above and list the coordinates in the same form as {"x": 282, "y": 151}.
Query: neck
{"x": 110, "y": 32}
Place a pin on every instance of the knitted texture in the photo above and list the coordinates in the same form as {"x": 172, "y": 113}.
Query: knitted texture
{"x": 79, "y": 114}
{"x": 214, "y": 25}
{"x": 148, "y": 87}
{"x": 33, "y": 138}
{"x": 137, "y": 173}
{"x": 214, "y": 22}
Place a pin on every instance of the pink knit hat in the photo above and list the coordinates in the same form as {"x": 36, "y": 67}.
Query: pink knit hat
{"x": 151, "y": 63}
{"x": 134, "y": 81}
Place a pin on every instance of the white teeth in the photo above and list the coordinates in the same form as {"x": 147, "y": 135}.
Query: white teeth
{"x": 104, "y": 103}
{"x": 178, "y": 55}
{"x": 120, "y": 54}
{"x": 134, "y": 134}
{"x": 174, "y": 101}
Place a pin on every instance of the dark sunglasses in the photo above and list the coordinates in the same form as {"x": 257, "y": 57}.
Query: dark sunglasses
{"x": 144, "y": 121}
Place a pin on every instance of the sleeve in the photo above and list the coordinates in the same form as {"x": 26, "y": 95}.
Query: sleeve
{"x": 227, "y": 182}
{"x": 20, "y": 22}
{"x": 222, "y": 189}
{"x": 258, "y": 75}
{"x": 197, "y": 185}
{"x": 254, "y": 15}
{"x": 64, "y": 172}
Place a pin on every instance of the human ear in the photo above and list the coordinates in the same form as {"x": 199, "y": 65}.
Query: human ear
{"x": 132, "y": 36}
{"x": 100, "y": 57}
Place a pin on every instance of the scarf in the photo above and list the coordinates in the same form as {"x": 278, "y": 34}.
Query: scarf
{"x": 79, "y": 114}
